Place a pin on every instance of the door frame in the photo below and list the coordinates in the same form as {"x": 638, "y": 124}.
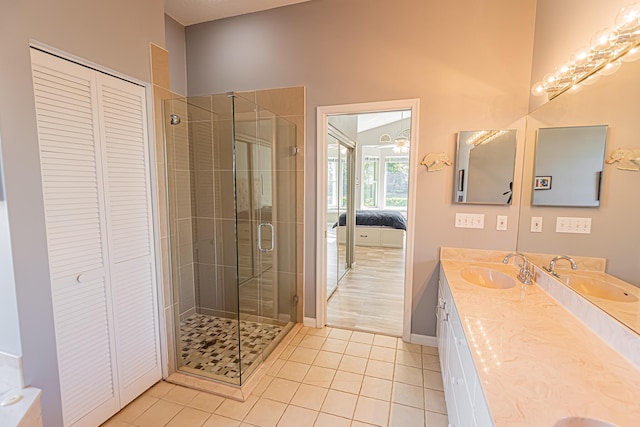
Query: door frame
{"x": 323, "y": 114}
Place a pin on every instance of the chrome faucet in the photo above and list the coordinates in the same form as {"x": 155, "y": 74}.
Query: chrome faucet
{"x": 525, "y": 273}
{"x": 552, "y": 264}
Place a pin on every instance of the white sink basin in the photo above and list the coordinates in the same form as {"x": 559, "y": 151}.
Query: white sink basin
{"x": 599, "y": 289}
{"x": 487, "y": 278}
{"x": 581, "y": 422}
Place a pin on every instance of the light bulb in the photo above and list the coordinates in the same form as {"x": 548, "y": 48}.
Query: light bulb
{"x": 632, "y": 55}
{"x": 611, "y": 68}
{"x": 629, "y": 16}
{"x": 603, "y": 40}
{"x": 538, "y": 89}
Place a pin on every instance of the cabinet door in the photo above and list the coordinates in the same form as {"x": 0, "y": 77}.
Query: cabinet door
{"x": 125, "y": 149}
{"x": 70, "y": 157}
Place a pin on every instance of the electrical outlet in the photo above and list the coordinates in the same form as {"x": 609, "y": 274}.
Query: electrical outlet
{"x": 501, "y": 223}
{"x": 536, "y": 224}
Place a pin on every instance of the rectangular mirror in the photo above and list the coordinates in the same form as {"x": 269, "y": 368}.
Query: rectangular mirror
{"x": 485, "y": 163}
{"x": 568, "y": 166}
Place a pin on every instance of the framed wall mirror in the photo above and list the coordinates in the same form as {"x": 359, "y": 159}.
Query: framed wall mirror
{"x": 485, "y": 164}
{"x": 568, "y": 166}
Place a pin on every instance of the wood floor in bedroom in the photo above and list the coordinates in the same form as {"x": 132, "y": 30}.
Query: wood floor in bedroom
{"x": 371, "y": 296}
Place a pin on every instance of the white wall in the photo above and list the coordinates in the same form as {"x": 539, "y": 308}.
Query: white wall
{"x": 114, "y": 34}
{"x": 468, "y": 62}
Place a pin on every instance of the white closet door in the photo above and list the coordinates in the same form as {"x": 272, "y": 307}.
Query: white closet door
{"x": 125, "y": 148}
{"x": 66, "y": 101}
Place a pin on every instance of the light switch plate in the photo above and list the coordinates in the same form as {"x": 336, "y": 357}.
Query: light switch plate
{"x": 536, "y": 224}
{"x": 501, "y": 222}
{"x": 469, "y": 220}
{"x": 573, "y": 225}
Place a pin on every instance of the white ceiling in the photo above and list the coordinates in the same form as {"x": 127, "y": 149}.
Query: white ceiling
{"x": 189, "y": 12}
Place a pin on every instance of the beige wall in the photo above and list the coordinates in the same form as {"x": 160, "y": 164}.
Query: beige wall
{"x": 114, "y": 34}
{"x": 468, "y": 62}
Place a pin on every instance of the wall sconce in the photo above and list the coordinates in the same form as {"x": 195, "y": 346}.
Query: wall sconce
{"x": 628, "y": 159}
{"x": 604, "y": 56}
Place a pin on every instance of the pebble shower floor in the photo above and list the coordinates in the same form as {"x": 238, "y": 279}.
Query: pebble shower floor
{"x": 210, "y": 343}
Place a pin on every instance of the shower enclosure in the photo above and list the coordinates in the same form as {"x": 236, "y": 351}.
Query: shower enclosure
{"x": 231, "y": 180}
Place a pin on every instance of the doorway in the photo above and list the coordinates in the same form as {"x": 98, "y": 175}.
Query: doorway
{"x": 366, "y": 189}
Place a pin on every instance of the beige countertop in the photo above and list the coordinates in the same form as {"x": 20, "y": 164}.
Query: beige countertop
{"x": 537, "y": 362}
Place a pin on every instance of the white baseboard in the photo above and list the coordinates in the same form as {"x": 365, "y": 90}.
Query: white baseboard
{"x": 310, "y": 322}
{"x": 424, "y": 340}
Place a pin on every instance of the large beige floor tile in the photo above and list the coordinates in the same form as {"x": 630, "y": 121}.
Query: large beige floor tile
{"x": 406, "y": 416}
{"x": 294, "y": 371}
{"x": 430, "y": 362}
{"x": 327, "y": 359}
{"x": 354, "y": 364}
{"x": 322, "y": 332}
{"x": 434, "y": 401}
{"x": 312, "y": 341}
{"x": 408, "y": 395}
{"x": 265, "y": 413}
{"x": 180, "y": 395}
{"x": 429, "y": 350}
{"x": 409, "y": 359}
{"x": 318, "y": 376}
{"x": 262, "y": 385}
{"x": 136, "y": 408}
{"x": 408, "y": 375}
{"x": 159, "y": 389}
{"x": 436, "y": 420}
{"x": 328, "y": 420}
{"x": 358, "y": 349}
{"x": 433, "y": 380}
{"x": 405, "y": 346}
{"x": 334, "y": 345}
{"x": 206, "y": 402}
{"x": 220, "y": 421}
{"x": 309, "y": 396}
{"x": 376, "y": 388}
{"x": 372, "y": 411}
{"x": 159, "y": 414}
{"x": 362, "y": 337}
{"x": 385, "y": 341}
{"x": 281, "y": 390}
{"x": 236, "y": 410}
{"x": 189, "y": 417}
{"x": 294, "y": 416}
{"x": 303, "y": 355}
{"x": 378, "y": 369}
{"x": 384, "y": 354}
{"x": 339, "y": 403}
{"x": 347, "y": 381}
{"x": 340, "y": 334}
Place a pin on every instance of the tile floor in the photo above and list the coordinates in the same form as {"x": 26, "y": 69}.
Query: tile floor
{"x": 324, "y": 377}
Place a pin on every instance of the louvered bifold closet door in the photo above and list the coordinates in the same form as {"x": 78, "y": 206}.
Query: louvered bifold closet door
{"x": 129, "y": 223}
{"x": 66, "y": 102}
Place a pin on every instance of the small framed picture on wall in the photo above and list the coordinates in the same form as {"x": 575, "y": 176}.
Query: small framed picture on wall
{"x": 542, "y": 183}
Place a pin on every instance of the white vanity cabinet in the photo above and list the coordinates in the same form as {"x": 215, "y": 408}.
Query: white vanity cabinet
{"x": 466, "y": 404}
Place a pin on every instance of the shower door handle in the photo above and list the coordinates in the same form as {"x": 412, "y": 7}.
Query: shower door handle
{"x": 265, "y": 224}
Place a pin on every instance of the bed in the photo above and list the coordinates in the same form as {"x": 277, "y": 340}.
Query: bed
{"x": 384, "y": 228}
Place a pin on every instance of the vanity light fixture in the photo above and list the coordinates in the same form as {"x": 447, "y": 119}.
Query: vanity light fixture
{"x": 483, "y": 137}
{"x": 604, "y": 56}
